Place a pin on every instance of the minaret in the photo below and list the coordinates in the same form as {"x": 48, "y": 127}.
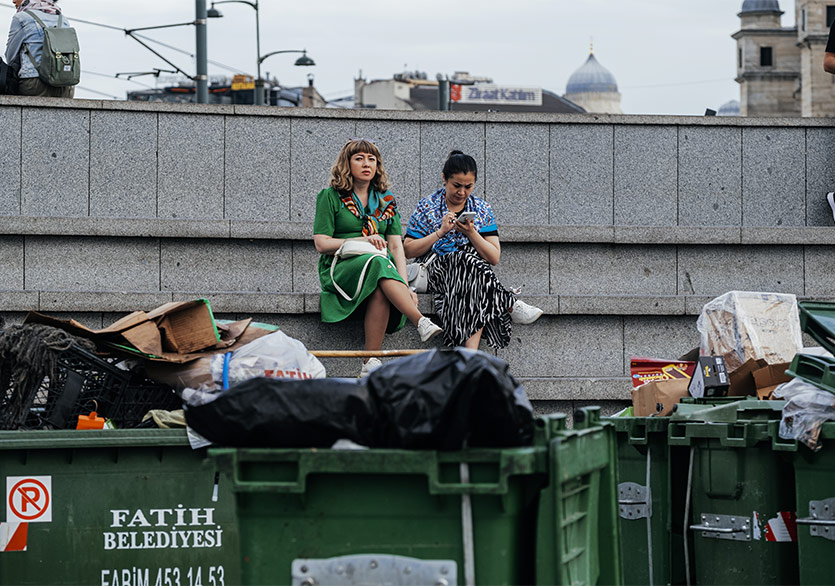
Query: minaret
{"x": 768, "y": 62}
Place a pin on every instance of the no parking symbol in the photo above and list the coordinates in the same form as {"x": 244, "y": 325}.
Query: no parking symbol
{"x": 29, "y": 499}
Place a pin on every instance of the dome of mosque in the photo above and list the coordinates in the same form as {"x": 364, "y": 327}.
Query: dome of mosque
{"x": 760, "y": 6}
{"x": 591, "y": 77}
{"x": 730, "y": 108}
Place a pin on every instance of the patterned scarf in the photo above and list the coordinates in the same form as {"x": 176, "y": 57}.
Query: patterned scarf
{"x": 386, "y": 209}
{"x": 47, "y": 6}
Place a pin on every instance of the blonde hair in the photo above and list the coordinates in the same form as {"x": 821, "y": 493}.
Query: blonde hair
{"x": 341, "y": 179}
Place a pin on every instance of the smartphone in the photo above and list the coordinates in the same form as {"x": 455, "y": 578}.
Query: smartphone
{"x": 464, "y": 216}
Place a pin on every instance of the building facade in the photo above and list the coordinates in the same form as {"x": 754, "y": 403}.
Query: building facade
{"x": 780, "y": 69}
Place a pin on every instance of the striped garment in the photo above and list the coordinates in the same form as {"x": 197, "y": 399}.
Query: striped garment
{"x": 468, "y": 296}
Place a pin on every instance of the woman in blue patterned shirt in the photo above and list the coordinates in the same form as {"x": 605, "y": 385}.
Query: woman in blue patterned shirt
{"x": 469, "y": 299}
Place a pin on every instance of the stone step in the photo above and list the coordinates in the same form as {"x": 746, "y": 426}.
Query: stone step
{"x": 230, "y": 229}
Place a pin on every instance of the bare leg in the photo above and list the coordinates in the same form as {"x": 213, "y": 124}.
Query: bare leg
{"x": 376, "y": 319}
{"x": 473, "y": 341}
{"x": 399, "y": 295}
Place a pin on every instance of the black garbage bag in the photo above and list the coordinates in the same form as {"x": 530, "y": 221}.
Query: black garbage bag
{"x": 446, "y": 399}
{"x": 281, "y": 413}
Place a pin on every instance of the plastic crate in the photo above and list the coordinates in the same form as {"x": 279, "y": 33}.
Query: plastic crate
{"x": 83, "y": 382}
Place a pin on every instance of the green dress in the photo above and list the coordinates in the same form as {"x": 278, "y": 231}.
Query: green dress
{"x": 334, "y": 219}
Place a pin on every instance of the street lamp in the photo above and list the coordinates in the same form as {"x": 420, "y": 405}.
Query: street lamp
{"x": 303, "y": 61}
{"x": 215, "y": 13}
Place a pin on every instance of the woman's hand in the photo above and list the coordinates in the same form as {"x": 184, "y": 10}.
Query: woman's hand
{"x": 377, "y": 240}
{"x": 447, "y": 224}
{"x": 467, "y": 227}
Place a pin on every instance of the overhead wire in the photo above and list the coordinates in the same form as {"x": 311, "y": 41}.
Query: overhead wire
{"x": 190, "y": 54}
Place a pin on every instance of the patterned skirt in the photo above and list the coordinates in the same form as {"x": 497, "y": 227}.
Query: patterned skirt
{"x": 468, "y": 296}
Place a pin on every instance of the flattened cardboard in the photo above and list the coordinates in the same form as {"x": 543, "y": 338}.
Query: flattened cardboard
{"x": 742, "y": 379}
{"x": 139, "y": 334}
{"x": 645, "y": 399}
{"x": 769, "y": 378}
{"x": 188, "y": 329}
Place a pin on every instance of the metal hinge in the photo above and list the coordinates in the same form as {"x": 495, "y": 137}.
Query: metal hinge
{"x": 730, "y": 527}
{"x": 634, "y": 501}
{"x": 821, "y": 519}
{"x": 374, "y": 569}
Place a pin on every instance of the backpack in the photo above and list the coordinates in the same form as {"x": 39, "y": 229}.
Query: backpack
{"x": 60, "y": 66}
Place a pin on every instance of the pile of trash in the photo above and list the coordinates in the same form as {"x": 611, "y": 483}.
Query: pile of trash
{"x": 248, "y": 384}
{"x": 750, "y": 345}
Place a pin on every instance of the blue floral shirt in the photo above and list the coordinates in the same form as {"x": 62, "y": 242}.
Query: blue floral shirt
{"x": 431, "y": 210}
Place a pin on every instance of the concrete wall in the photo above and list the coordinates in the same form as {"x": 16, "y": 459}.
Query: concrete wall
{"x": 619, "y": 227}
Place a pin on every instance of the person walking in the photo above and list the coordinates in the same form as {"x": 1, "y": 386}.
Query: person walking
{"x": 24, "y": 48}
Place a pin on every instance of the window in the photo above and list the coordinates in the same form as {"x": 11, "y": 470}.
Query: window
{"x": 830, "y": 15}
{"x": 739, "y": 59}
{"x": 803, "y": 20}
{"x": 766, "y": 56}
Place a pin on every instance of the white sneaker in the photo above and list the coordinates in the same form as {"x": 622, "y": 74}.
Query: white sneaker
{"x": 524, "y": 314}
{"x": 369, "y": 366}
{"x": 427, "y": 329}
{"x": 830, "y": 197}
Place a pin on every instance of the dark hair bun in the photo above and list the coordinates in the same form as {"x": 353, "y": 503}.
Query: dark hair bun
{"x": 458, "y": 162}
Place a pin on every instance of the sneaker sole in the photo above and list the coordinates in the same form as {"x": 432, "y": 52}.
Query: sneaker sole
{"x": 830, "y": 197}
{"x": 528, "y": 322}
{"x": 431, "y": 335}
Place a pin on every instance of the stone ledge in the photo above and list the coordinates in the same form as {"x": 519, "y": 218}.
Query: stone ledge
{"x": 18, "y": 300}
{"x": 144, "y": 227}
{"x": 677, "y": 235}
{"x": 299, "y": 303}
{"x": 421, "y": 116}
{"x": 255, "y": 303}
{"x": 101, "y": 301}
{"x": 621, "y": 305}
{"x": 810, "y": 235}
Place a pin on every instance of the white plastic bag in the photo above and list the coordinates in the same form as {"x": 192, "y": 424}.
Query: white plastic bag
{"x": 744, "y": 324}
{"x": 275, "y": 355}
{"x": 807, "y": 408}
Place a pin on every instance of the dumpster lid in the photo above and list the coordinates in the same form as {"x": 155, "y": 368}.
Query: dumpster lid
{"x": 817, "y": 318}
{"x": 817, "y": 370}
{"x": 750, "y": 409}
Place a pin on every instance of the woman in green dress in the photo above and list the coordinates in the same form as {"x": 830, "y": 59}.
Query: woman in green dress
{"x": 359, "y": 206}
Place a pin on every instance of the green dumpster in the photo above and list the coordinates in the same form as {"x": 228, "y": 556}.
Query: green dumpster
{"x": 740, "y": 495}
{"x": 114, "y": 507}
{"x": 814, "y": 480}
{"x": 322, "y": 516}
{"x": 648, "y": 469}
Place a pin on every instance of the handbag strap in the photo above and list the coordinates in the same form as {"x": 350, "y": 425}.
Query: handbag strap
{"x": 359, "y": 283}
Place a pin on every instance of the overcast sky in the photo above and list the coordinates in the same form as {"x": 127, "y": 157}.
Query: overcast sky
{"x": 668, "y": 56}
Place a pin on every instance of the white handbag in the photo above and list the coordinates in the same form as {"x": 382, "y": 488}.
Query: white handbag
{"x": 418, "y": 274}
{"x": 355, "y": 248}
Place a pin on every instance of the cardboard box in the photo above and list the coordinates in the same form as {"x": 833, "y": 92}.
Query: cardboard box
{"x": 769, "y": 378}
{"x": 742, "y": 379}
{"x": 744, "y": 324}
{"x": 710, "y": 378}
{"x": 658, "y": 398}
{"x": 645, "y": 370}
{"x": 174, "y": 332}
